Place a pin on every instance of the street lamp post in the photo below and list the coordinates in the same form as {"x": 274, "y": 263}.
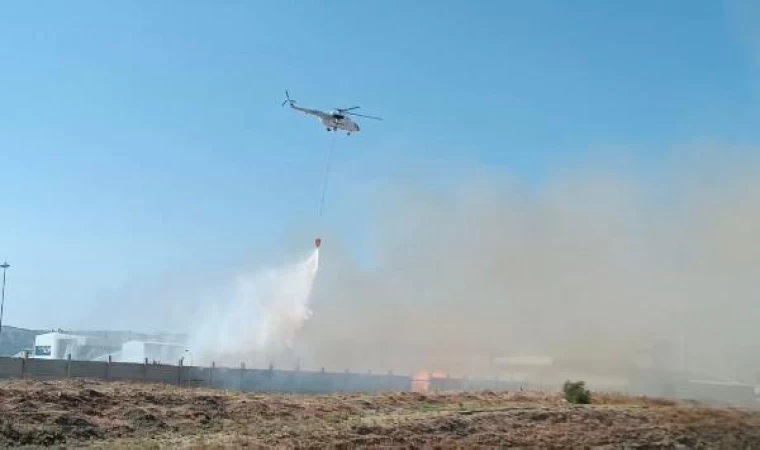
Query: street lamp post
{"x": 5, "y": 266}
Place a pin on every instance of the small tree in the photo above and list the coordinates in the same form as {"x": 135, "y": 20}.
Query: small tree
{"x": 576, "y": 392}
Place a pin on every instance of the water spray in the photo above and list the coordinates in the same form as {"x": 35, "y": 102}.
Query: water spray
{"x": 262, "y": 316}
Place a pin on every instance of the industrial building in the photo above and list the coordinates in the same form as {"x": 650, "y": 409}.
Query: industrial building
{"x": 59, "y": 345}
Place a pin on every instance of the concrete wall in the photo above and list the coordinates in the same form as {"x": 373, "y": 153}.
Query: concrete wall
{"x": 238, "y": 379}
{"x": 11, "y": 367}
{"x": 88, "y": 369}
{"x": 292, "y": 381}
{"x": 45, "y": 369}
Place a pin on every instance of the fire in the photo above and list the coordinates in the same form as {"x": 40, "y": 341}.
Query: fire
{"x": 421, "y": 381}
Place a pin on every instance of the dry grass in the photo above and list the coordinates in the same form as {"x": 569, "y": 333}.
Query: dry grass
{"x": 104, "y": 415}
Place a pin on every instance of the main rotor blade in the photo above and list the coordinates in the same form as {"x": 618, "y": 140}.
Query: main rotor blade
{"x": 347, "y": 109}
{"x": 362, "y": 115}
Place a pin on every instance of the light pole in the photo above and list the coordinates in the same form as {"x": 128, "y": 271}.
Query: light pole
{"x": 5, "y": 266}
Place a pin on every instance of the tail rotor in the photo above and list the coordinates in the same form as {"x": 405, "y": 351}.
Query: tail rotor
{"x": 288, "y": 99}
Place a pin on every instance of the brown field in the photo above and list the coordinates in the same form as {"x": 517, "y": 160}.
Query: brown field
{"x": 97, "y": 414}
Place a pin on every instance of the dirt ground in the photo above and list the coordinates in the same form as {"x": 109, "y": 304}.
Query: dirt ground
{"x": 106, "y": 415}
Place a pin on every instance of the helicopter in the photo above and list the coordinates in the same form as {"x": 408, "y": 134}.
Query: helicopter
{"x": 335, "y": 120}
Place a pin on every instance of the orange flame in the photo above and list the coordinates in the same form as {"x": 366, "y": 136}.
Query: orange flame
{"x": 421, "y": 381}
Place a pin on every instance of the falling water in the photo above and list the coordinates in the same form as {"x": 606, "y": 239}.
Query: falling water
{"x": 266, "y": 311}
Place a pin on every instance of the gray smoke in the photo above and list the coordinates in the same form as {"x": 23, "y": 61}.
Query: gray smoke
{"x": 600, "y": 260}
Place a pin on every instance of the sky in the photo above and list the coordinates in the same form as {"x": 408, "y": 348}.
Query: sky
{"x": 140, "y": 140}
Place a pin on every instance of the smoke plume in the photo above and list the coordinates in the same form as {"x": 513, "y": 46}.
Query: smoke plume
{"x": 597, "y": 261}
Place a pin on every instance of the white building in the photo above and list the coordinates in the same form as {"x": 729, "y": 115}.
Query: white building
{"x": 58, "y": 345}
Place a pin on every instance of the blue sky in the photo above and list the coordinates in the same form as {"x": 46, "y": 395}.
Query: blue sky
{"x": 143, "y": 138}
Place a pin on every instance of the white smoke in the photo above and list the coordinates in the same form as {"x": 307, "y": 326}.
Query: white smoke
{"x": 262, "y": 318}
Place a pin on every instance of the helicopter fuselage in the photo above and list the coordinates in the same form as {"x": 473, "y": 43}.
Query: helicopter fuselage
{"x": 333, "y": 121}
{"x": 340, "y": 122}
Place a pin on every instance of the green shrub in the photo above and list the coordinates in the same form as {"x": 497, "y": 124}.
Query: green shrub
{"x": 576, "y": 392}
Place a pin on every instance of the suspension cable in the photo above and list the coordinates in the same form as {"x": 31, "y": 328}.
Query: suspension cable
{"x": 327, "y": 174}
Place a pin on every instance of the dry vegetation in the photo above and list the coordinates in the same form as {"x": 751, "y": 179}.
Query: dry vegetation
{"x": 85, "y": 413}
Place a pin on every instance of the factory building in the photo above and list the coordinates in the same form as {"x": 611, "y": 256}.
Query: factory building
{"x": 57, "y": 345}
